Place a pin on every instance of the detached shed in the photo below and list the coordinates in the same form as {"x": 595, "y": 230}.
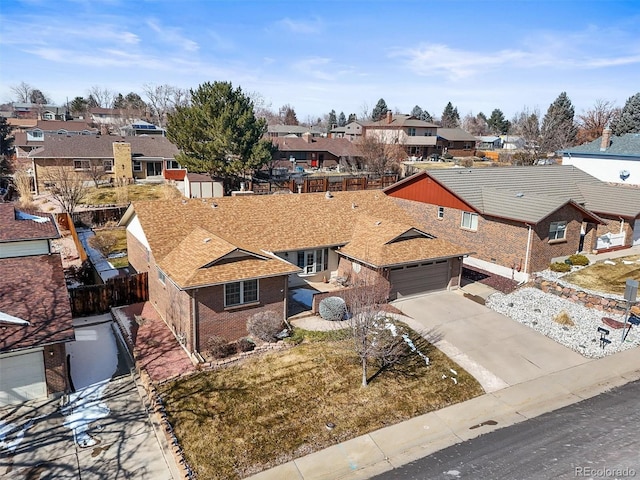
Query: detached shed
{"x": 199, "y": 185}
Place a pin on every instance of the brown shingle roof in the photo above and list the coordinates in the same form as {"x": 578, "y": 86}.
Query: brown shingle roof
{"x": 34, "y": 289}
{"x": 101, "y": 146}
{"x": 383, "y": 243}
{"x": 339, "y": 147}
{"x": 13, "y": 229}
{"x": 263, "y": 224}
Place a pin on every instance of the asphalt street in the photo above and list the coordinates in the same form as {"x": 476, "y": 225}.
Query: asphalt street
{"x": 596, "y": 438}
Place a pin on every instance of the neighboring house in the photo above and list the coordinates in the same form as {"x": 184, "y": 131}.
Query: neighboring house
{"x": 610, "y": 158}
{"x": 36, "y": 110}
{"x": 517, "y": 219}
{"x": 307, "y": 152}
{"x": 276, "y": 131}
{"x": 140, "y": 127}
{"x": 113, "y": 157}
{"x": 351, "y": 131}
{"x": 488, "y": 143}
{"x": 512, "y": 142}
{"x": 30, "y": 138}
{"x": 113, "y": 116}
{"x": 35, "y": 314}
{"x": 456, "y": 142}
{"x": 417, "y": 137}
{"x": 214, "y": 263}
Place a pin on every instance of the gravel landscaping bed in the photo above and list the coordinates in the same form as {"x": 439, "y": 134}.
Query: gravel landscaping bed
{"x": 537, "y": 310}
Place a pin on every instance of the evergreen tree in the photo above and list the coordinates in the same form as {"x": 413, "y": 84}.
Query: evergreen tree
{"x": 426, "y": 116}
{"x": 332, "y": 121}
{"x": 36, "y": 96}
{"x": 450, "y": 117}
{"x": 119, "y": 102}
{"x": 629, "y": 121}
{"x": 6, "y": 146}
{"x": 379, "y": 111}
{"x": 79, "y": 105}
{"x": 558, "y": 128}
{"x": 218, "y": 132}
{"x": 497, "y": 123}
{"x": 342, "y": 120}
{"x": 352, "y": 118}
{"x": 417, "y": 112}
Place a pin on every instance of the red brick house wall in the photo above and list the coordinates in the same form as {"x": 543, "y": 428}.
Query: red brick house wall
{"x": 501, "y": 241}
{"x": 55, "y": 368}
{"x": 231, "y": 323}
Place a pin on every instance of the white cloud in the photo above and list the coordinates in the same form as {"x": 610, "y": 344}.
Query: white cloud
{"x": 172, "y": 36}
{"x": 301, "y": 26}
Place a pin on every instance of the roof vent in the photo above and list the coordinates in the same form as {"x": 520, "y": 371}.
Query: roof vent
{"x": 214, "y": 205}
{"x": 354, "y": 205}
{"x": 328, "y": 195}
{"x": 519, "y": 194}
{"x": 378, "y": 223}
{"x": 207, "y": 240}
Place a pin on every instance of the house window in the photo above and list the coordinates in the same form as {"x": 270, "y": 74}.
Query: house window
{"x": 313, "y": 261}
{"x": 412, "y": 132}
{"x": 441, "y": 213}
{"x": 81, "y": 164}
{"x": 237, "y": 293}
{"x": 48, "y": 116}
{"x": 36, "y": 133}
{"x": 108, "y": 165}
{"x": 557, "y": 231}
{"x": 137, "y": 166}
{"x": 172, "y": 165}
{"x": 470, "y": 220}
{"x": 162, "y": 277}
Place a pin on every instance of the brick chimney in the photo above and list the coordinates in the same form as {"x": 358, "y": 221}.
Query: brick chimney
{"x": 122, "y": 163}
{"x": 389, "y": 116}
{"x": 606, "y": 138}
{"x": 306, "y": 136}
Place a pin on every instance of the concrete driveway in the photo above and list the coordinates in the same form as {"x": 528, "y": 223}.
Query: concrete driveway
{"x": 498, "y": 351}
{"x": 36, "y": 442}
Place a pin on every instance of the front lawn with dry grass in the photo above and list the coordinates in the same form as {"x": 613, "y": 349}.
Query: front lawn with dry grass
{"x": 238, "y": 421}
{"x": 603, "y": 277}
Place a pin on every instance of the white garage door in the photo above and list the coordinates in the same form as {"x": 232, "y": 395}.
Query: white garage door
{"x": 636, "y": 232}
{"x": 420, "y": 278}
{"x": 22, "y": 378}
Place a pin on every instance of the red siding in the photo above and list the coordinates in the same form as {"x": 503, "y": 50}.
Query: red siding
{"x": 426, "y": 190}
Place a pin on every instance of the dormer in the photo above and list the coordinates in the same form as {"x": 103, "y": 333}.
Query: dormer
{"x": 35, "y": 135}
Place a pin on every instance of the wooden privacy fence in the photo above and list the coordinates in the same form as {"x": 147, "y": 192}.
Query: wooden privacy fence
{"x": 324, "y": 184}
{"x": 97, "y": 299}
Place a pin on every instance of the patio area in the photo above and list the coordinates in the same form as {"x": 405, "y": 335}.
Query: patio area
{"x": 300, "y": 298}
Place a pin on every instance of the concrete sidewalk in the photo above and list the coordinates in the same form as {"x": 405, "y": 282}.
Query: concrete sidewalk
{"x": 525, "y": 374}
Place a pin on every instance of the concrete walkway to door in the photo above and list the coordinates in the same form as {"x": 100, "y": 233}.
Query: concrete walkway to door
{"x": 496, "y": 350}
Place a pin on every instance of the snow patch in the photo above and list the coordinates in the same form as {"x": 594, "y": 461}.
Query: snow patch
{"x": 6, "y": 318}
{"x": 85, "y": 407}
{"x": 10, "y": 429}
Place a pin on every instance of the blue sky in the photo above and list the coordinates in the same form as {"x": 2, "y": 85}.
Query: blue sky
{"x": 323, "y": 55}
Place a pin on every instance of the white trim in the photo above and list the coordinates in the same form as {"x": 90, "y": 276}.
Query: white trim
{"x": 497, "y": 269}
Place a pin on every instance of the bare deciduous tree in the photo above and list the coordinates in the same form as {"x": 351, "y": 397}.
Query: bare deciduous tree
{"x": 22, "y": 92}
{"x": 591, "y": 122}
{"x": 475, "y": 124}
{"x": 379, "y": 157}
{"x": 103, "y": 97}
{"x": 526, "y": 124}
{"x": 376, "y": 338}
{"x": 67, "y": 187}
{"x": 163, "y": 100}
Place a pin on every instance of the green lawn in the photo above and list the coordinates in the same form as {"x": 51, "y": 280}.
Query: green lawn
{"x": 240, "y": 420}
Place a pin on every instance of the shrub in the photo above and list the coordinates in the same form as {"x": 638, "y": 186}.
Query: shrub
{"x": 332, "y": 309}
{"x": 467, "y": 162}
{"x": 447, "y": 156}
{"x": 578, "y": 259}
{"x": 563, "y": 318}
{"x": 218, "y": 347}
{"x": 480, "y": 154}
{"x": 265, "y": 325}
{"x": 560, "y": 267}
{"x": 244, "y": 345}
